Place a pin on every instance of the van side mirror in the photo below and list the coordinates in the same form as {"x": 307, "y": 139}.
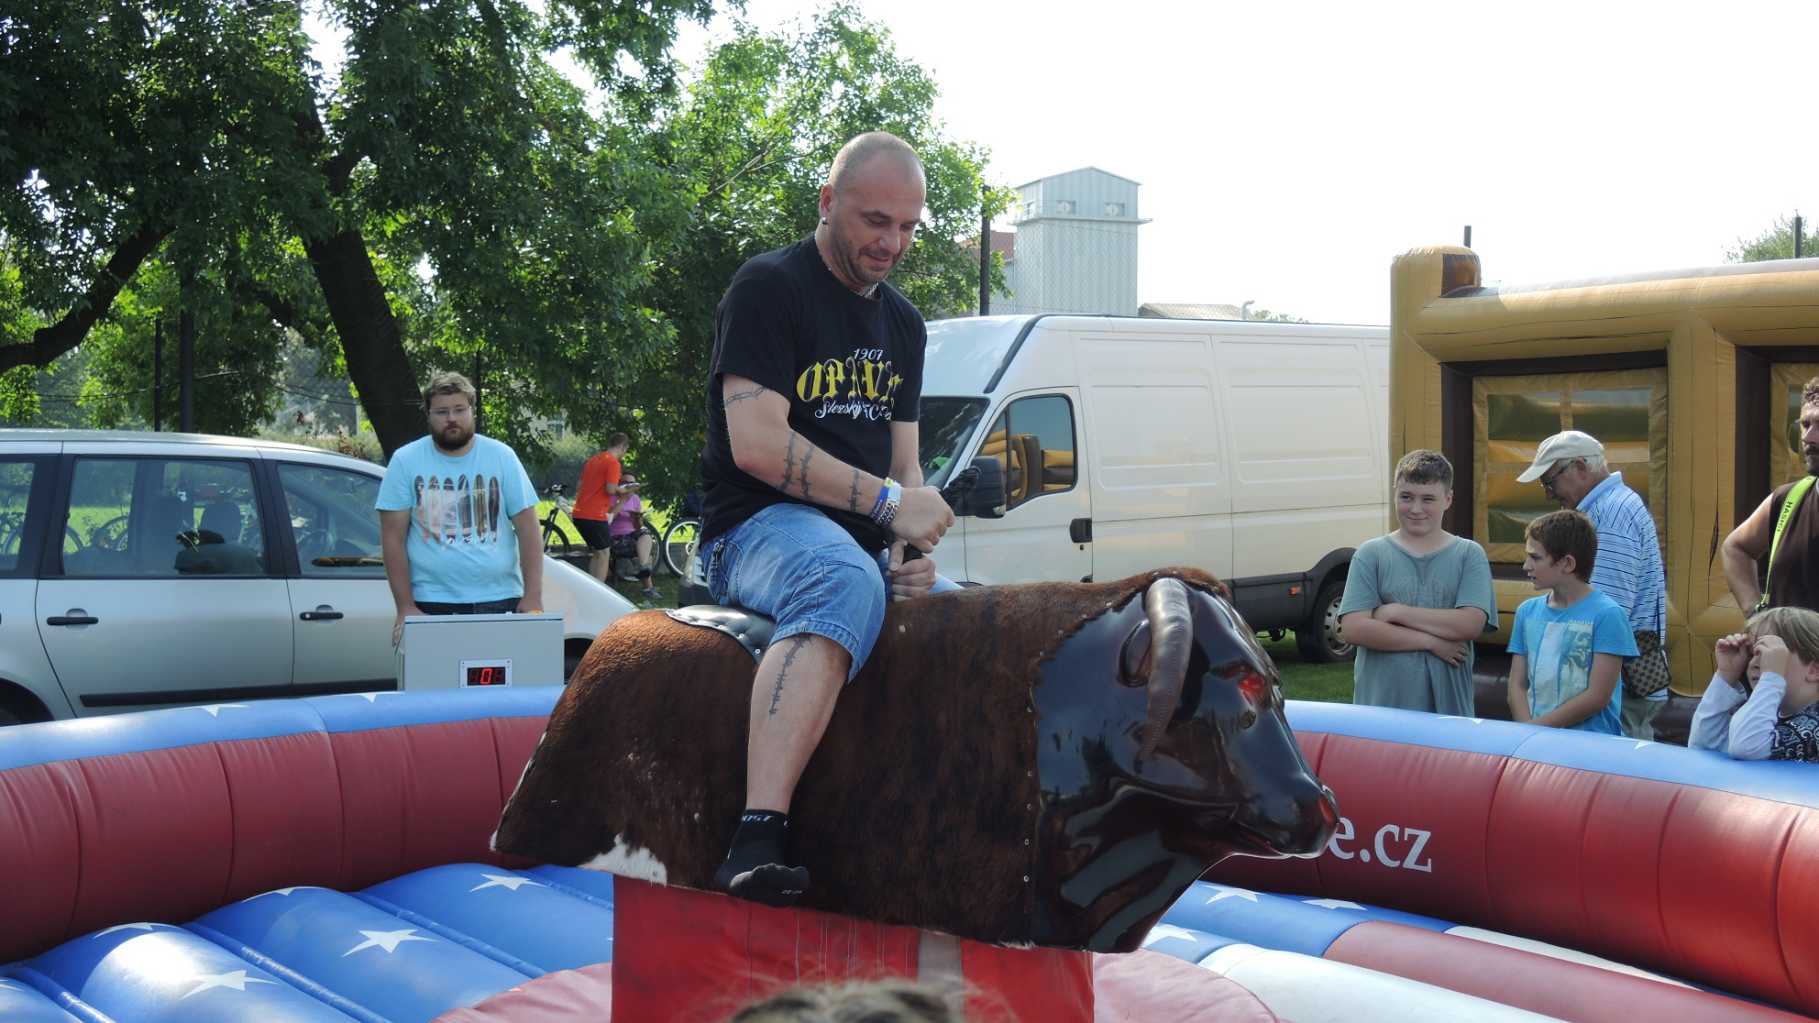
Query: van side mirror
{"x": 986, "y": 498}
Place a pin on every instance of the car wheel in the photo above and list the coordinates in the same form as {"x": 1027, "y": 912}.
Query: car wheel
{"x": 1318, "y": 638}
{"x": 9, "y": 717}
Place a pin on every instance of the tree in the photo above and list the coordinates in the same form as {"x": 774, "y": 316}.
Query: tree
{"x": 199, "y": 132}
{"x": 747, "y": 147}
{"x": 450, "y": 196}
{"x": 1775, "y": 243}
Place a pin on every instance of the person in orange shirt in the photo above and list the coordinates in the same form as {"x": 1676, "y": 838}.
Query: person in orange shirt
{"x": 593, "y": 514}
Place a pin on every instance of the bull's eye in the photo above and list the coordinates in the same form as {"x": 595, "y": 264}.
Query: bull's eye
{"x": 1247, "y": 719}
{"x": 1254, "y": 688}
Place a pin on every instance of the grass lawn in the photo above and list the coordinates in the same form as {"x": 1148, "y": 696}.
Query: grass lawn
{"x": 1329, "y": 683}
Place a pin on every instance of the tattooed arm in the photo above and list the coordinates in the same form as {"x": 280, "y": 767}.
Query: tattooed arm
{"x": 766, "y": 448}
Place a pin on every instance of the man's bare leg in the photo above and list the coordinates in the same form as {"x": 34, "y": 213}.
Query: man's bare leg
{"x": 793, "y": 695}
{"x": 600, "y": 564}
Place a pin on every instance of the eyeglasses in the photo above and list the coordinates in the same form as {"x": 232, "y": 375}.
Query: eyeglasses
{"x": 1551, "y": 477}
{"x": 458, "y": 412}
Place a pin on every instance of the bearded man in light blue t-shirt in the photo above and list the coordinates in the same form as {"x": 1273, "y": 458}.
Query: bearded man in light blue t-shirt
{"x": 458, "y": 517}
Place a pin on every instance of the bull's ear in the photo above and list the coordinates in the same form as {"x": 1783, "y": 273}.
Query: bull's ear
{"x": 1134, "y": 659}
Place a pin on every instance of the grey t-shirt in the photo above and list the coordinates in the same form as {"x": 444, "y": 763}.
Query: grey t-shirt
{"x": 1457, "y": 575}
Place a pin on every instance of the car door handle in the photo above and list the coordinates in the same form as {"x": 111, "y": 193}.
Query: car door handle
{"x": 1080, "y": 530}
{"x": 76, "y": 616}
{"x": 322, "y": 614}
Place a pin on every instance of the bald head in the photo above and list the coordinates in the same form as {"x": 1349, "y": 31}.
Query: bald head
{"x": 863, "y": 150}
{"x": 870, "y": 209}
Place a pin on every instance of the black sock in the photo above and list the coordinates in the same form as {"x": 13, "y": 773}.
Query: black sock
{"x": 757, "y": 867}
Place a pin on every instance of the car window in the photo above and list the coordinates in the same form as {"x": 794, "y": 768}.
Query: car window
{"x": 137, "y": 517}
{"x": 15, "y": 494}
{"x": 1034, "y": 440}
{"x": 332, "y": 519}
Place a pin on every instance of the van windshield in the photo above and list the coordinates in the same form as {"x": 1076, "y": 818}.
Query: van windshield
{"x": 947, "y": 424}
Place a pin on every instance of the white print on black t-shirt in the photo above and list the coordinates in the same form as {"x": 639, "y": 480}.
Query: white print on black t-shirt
{"x": 861, "y": 386}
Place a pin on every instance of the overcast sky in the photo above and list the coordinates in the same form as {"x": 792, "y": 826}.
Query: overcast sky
{"x": 1288, "y": 151}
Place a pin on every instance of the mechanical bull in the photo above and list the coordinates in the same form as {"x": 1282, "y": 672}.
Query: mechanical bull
{"x": 1049, "y": 763}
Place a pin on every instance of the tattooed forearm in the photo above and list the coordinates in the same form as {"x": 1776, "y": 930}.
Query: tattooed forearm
{"x": 852, "y": 497}
{"x": 796, "y": 471}
{"x": 735, "y": 398}
{"x": 789, "y": 658}
{"x": 802, "y": 472}
{"x": 789, "y": 463}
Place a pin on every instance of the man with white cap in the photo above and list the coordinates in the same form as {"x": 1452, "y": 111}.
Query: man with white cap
{"x": 1573, "y": 472}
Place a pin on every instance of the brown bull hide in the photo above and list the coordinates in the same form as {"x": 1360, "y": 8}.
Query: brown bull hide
{"x": 922, "y": 806}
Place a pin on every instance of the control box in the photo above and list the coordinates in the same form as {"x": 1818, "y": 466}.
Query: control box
{"x": 479, "y": 651}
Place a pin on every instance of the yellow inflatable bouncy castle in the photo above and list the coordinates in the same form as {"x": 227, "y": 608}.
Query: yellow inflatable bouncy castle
{"x": 1691, "y": 378}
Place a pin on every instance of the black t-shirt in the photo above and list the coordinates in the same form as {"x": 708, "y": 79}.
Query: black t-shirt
{"x": 849, "y": 365}
{"x": 1792, "y": 581}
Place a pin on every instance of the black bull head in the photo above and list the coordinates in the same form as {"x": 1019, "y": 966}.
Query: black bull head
{"x": 1052, "y": 763}
{"x": 1186, "y": 760}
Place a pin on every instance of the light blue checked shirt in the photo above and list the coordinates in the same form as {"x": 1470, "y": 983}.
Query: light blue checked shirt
{"x": 1628, "y": 566}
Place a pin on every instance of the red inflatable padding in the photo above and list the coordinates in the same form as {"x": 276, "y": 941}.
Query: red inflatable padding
{"x": 157, "y": 836}
{"x": 1797, "y": 897}
{"x": 1149, "y": 987}
{"x": 416, "y": 797}
{"x": 514, "y": 739}
{"x": 286, "y": 813}
{"x": 1720, "y": 908}
{"x": 691, "y": 957}
{"x": 1539, "y": 983}
{"x": 1413, "y": 826}
{"x": 1140, "y": 987}
{"x": 565, "y": 996}
{"x": 38, "y": 818}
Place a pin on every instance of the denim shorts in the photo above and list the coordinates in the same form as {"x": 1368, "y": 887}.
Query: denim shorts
{"x": 797, "y": 566}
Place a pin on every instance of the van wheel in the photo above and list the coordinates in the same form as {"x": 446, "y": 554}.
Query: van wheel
{"x": 1318, "y": 638}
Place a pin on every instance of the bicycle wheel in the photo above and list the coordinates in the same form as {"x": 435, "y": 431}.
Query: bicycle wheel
{"x": 679, "y": 542}
{"x": 555, "y": 540}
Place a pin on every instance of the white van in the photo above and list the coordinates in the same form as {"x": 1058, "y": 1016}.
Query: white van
{"x": 1255, "y": 451}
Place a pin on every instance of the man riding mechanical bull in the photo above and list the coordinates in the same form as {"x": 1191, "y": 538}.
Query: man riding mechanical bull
{"x": 813, "y": 493}
{"x": 813, "y": 477}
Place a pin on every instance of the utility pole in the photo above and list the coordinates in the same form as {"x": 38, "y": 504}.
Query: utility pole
{"x": 985, "y": 251}
{"x": 186, "y": 357}
{"x": 158, "y": 372}
{"x": 479, "y": 421}
{"x": 1468, "y": 236}
{"x": 1799, "y": 229}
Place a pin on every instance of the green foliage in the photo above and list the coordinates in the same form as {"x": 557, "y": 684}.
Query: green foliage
{"x": 1775, "y": 243}
{"x": 577, "y": 248}
{"x": 746, "y": 150}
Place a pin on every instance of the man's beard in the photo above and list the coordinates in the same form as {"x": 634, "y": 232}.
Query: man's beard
{"x": 850, "y": 263}
{"x": 1812, "y": 460}
{"x": 442, "y": 439}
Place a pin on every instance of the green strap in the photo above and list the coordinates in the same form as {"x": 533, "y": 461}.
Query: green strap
{"x": 1788, "y": 505}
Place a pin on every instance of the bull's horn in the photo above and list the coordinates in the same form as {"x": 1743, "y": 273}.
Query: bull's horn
{"x": 1171, "y": 617}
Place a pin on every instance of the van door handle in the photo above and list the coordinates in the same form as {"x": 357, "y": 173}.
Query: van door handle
{"x": 76, "y": 616}
{"x": 1080, "y": 530}
{"x": 322, "y": 613}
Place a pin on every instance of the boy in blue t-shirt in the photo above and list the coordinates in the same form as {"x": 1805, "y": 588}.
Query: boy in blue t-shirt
{"x": 1567, "y": 648}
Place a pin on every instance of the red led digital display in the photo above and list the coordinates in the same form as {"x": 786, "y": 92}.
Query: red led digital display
{"x": 489, "y": 675}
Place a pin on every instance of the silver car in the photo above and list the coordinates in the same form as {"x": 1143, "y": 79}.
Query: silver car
{"x": 142, "y": 570}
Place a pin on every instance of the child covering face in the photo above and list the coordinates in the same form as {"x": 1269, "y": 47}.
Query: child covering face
{"x": 1763, "y": 701}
